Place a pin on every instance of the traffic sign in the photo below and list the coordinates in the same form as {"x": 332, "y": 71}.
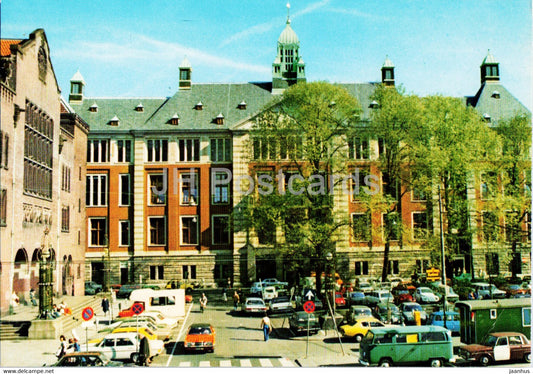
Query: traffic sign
{"x": 309, "y": 295}
{"x": 87, "y": 313}
{"x": 137, "y": 308}
{"x": 433, "y": 274}
{"x": 309, "y": 306}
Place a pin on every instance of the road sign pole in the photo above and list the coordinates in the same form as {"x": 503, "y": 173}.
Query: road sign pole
{"x": 307, "y": 345}
{"x": 86, "y": 340}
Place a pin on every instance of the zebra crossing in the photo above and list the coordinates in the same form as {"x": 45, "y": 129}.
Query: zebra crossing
{"x": 282, "y": 362}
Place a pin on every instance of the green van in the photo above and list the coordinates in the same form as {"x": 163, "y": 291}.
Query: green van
{"x": 397, "y": 345}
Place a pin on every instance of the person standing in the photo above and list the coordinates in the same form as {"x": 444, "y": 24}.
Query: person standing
{"x": 236, "y": 300}
{"x": 144, "y": 352}
{"x": 62, "y": 347}
{"x": 266, "y": 326}
{"x": 105, "y": 305}
{"x": 203, "y": 302}
{"x": 32, "y": 297}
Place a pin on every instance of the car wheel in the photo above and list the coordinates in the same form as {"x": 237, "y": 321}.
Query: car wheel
{"x": 436, "y": 363}
{"x": 485, "y": 360}
{"x": 134, "y": 357}
{"x": 385, "y": 362}
{"x": 527, "y": 357}
{"x": 358, "y": 338}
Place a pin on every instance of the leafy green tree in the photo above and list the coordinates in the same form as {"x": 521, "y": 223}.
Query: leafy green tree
{"x": 304, "y": 133}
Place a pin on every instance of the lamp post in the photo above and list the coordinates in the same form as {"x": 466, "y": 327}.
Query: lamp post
{"x": 331, "y": 282}
{"x": 46, "y": 279}
{"x": 443, "y": 262}
{"x": 107, "y": 264}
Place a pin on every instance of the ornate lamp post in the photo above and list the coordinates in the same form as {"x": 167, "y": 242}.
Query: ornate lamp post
{"x": 46, "y": 279}
{"x": 331, "y": 282}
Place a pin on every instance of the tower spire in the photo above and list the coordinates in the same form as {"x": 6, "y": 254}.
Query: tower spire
{"x": 288, "y": 13}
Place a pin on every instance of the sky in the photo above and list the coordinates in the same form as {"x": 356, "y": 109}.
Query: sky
{"x": 133, "y": 48}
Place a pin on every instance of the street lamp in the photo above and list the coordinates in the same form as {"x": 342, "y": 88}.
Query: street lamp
{"x": 107, "y": 262}
{"x": 46, "y": 279}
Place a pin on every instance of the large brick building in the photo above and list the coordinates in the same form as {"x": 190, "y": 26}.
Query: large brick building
{"x": 183, "y": 144}
{"x": 42, "y": 177}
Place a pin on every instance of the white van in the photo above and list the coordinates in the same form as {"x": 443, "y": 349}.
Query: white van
{"x": 170, "y": 303}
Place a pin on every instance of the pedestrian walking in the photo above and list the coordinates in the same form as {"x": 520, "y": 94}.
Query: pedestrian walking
{"x": 32, "y": 297}
{"x": 144, "y": 352}
{"x": 236, "y": 300}
{"x": 105, "y": 305}
{"x": 77, "y": 347}
{"x": 266, "y": 326}
{"x": 62, "y": 350}
{"x": 203, "y": 302}
{"x": 229, "y": 283}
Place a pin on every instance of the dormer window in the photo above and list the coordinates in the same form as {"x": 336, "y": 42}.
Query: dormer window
{"x": 199, "y": 106}
{"x": 175, "y": 120}
{"x": 242, "y": 105}
{"x": 374, "y": 104}
{"x": 219, "y": 119}
{"x": 93, "y": 108}
{"x": 139, "y": 108}
{"x": 114, "y": 121}
{"x": 486, "y": 117}
{"x": 495, "y": 95}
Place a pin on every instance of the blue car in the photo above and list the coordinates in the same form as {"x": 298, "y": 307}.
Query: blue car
{"x": 452, "y": 320}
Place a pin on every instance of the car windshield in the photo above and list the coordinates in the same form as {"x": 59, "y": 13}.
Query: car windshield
{"x": 490, "y": 341}
{"x": 425, "y": 290}
{"x": 412, "y": 307}
{"x": 386, "y": 294}
{"x": 254, "y": 302}
{"x": 199, "y": 330}
{"x": 357, "y": 294}
{"x": 280, "y": 300}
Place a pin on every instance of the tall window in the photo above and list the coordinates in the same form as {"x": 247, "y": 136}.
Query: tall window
{"x": 125, "y": 189}
{"x": 124, "y": 232}
{"x": 361, "y": 227}
{"x": 220, "y": 150}
{"x": 189, "y": 230}
{"x": 98, "y": 150}
{"x": 65, "y": 178}
{"x": 220, "y": 191}
{"x": 157, "y": 150}
{"x": 361, "y": 268}
{"x": 358, "y": 148}
{"x": 221, "y": 230}
{"x": 492, "y": 262}
{"x": 156, "y": 184}
{"x": 157, "y": 272}
{"x": 488, "y": 185}
{"x": 4, "y": 149}
{"x": 3, "y": 207}
{"x": 189, "y": 271}
{"x": 357, "y": 183}
{"x": 420, "y": 225}
{"x": 65, "y": 219}
{"x": 391, "y": 226}
{"x": 189, "y": 188}
{"x": 157, "y": 230}
{"x": 96, "y": 190}
{"x": 394, "y": 267}
{"x": 189, "y": 149}
{"x": 124, "y": 150}
{"x": 97, "y": 231}
{"x": 490, "y": 226}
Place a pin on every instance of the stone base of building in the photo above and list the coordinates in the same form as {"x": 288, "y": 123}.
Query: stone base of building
{"x": 45, "y": 329}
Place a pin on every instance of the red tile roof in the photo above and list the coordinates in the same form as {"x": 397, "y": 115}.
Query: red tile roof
{"x": 6, "y": 45}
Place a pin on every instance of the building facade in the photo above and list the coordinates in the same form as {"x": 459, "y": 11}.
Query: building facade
{"x": 162, "y": 176}
{"x": 33, "y": 186}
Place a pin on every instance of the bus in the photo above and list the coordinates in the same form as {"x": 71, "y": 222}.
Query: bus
{"x": 404, "y": 345}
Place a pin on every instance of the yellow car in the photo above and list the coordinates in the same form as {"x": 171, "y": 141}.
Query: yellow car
{"x": 144, "y": 331}
{"x": 360, "y": 327}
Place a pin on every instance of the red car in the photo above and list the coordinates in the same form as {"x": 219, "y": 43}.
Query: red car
{"x": 339, "y": 300}
{"x": 498, "y": 346}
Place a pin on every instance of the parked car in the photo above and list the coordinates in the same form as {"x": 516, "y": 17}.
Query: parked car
{"x": 408, "y": 313}
{"x": 402, "y": 296}
{"x": 452, "y": 320}
{"x": 125, "y": 291}
{"x": 144, "y": 331}
{"x": 357, "y": 311}
{"x": 256, "y": 289}
{"x": 269, "y": 293}
{"x": 356, "y": 298}
{"x": 92, "y": 288}
{"x": 186, "y": 285}
{"x": 487, "y": 291}
{"x": 387, "y": 313}
{"x": 86, "y": 359}
{"x": 516, "y": 290}
{"x": 161, "y": 333}
{"x": 280, "y": 305}
{"x": 364, "y": 286}
{"x": 498, "y": 346}
{"x": 200, "y": 337}
{"x": 378, "y": 296}
{"x": 360, "y": 327}
{"x": 425, "y": 295}
{"x": 254, "y": 305}
{"x": 298, "y": 322}
{"x": 125, "y": 346}
{"x": 274, "y": 282}
{"x": 115, "y": 287}
{"x": 451, "y": 296}
{"x": 340, "y": 302}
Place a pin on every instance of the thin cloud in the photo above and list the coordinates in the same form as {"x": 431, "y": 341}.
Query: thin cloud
{"x": 357, "y": 13}
{"x": 267, "y": 26}
{"x": 118, "y": 53}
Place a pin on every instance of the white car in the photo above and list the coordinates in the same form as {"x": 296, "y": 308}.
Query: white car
{"x": 124, "y": 346}
{"x": 254, "y": 305}
{"x": 425, "y": 295}
{"x": 451, "y": 296}
{"x": 257, "y": 288}
{"x": 269, "y": 293}
{"x": 274, "y": 282}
